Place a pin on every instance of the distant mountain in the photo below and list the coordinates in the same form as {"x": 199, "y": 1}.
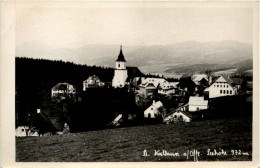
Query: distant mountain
{"x": 157, "y": 58}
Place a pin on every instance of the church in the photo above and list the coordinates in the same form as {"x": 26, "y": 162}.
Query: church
{"x": 120, "y": 75}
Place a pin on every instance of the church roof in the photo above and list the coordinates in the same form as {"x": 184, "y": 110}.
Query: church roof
{"x": 121, "y": 57}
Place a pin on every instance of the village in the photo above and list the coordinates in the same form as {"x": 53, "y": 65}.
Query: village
{"x": 160, "y": 100}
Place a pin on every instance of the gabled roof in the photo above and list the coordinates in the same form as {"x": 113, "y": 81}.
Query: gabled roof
{"x": 223, "y": 78}
{"x": 199, "y": 77}
{"x": 197, "y": 101}
{"x": 133, "y": 72}
{"x": 93, "y": 77}
{"x": 121, "y": 57}
{"x": 61, "y": 86}
{"x": 185, "y": 113}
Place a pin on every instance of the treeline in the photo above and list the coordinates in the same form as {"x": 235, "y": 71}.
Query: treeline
{"x": 35, "y": 78}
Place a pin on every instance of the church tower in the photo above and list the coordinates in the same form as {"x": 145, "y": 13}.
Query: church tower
{"x": 120, "y": 75}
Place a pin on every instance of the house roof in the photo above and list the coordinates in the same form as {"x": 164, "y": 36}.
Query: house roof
{"x": 61, "y": 86}
{"x": 223, "y": 78}
{"x": 199, "y": 77}
{"x": 154, "y": 81}
{"x": 133, "y": 72}
{"x": 93, "y": 77}
{"x": 121, "y": 57}
{"x": 199, "y": 101}
{"x": 185, "y": 113}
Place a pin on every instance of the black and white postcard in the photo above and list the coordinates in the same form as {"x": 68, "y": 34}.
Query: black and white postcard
{"x": 136, "y": 84}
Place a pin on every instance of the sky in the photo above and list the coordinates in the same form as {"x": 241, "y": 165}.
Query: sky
{"x": 78, "y": 25}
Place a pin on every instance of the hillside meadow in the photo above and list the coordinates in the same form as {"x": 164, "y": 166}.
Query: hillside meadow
{"x": 230, "y": 136}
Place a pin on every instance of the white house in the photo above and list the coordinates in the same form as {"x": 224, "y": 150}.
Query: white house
{"x": 22, "y": 131}
{"x": 153, "y": 110}
{"x": 223, "y": 86}
{"x": 63, "y": 89}
{"x": 92, "y": 82}
{"x": 149, "y": 86}
{"x": 166, "y": 88}
{"x": 120, "y": 74}
{"x": 182, "y": 116}
{"x": 197, "y": 103}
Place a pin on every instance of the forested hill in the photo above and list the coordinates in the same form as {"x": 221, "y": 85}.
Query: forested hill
{"x": 38, "y": 73}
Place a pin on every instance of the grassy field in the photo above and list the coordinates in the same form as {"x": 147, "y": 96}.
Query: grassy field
{"x": 128, "y": 144}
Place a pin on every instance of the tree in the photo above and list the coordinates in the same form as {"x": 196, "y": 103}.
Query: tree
{"x": 209, "y": 73}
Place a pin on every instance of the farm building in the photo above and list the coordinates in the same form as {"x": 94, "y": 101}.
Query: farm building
{"x": 182, "y": 116}
{"x": 178, "y": 115}
{"x": 223, "y": 86}
{"x": 22, "y": 131}
{"x": 92, "y": 82}
{"x": 63, "y": 90}
{"x": 154, "y": 110}
{"x": 197, "y": 103}
{"x": 166, "y": 88}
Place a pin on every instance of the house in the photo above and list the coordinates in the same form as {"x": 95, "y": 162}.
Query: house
{"x": 166, "y": 88}
{"x": 120, "y": 75}
{"x": 154, "y": 110}
{"x": 149, "y": 87}
{"x": 92, "y": 82}
{"x": 63, "y": 90}
{"x": 222, "y": 86}
{"x": 178, "y": 115}
{"x": 182, "y": 116}
{"x": 197, "y": 104}
{"x": 201, "y": 79}
{"x": 22, "y": 131}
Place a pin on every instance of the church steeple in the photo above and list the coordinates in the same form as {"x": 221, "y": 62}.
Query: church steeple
{"x": 121, "y": 57}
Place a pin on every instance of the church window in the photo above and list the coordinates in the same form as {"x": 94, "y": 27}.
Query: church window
{"x": 230, "y": 91}
{"x": 220, "y": 91}
{"x": 224, "y": 91}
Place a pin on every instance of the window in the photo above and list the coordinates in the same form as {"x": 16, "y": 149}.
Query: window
{"x": 227, "y": 86}
{"x": 220, "y": 85}
{"x": 220, "y": 91}
{"x": 224, "y": 91}
{"x": 175, "y": 116}
{"x": 22, "y": 129}
{"x": 217, "y": 85}
{"x": 230, "y": 91}
{"x": 151, "y": 108}
{"x": 118, "y": 64}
